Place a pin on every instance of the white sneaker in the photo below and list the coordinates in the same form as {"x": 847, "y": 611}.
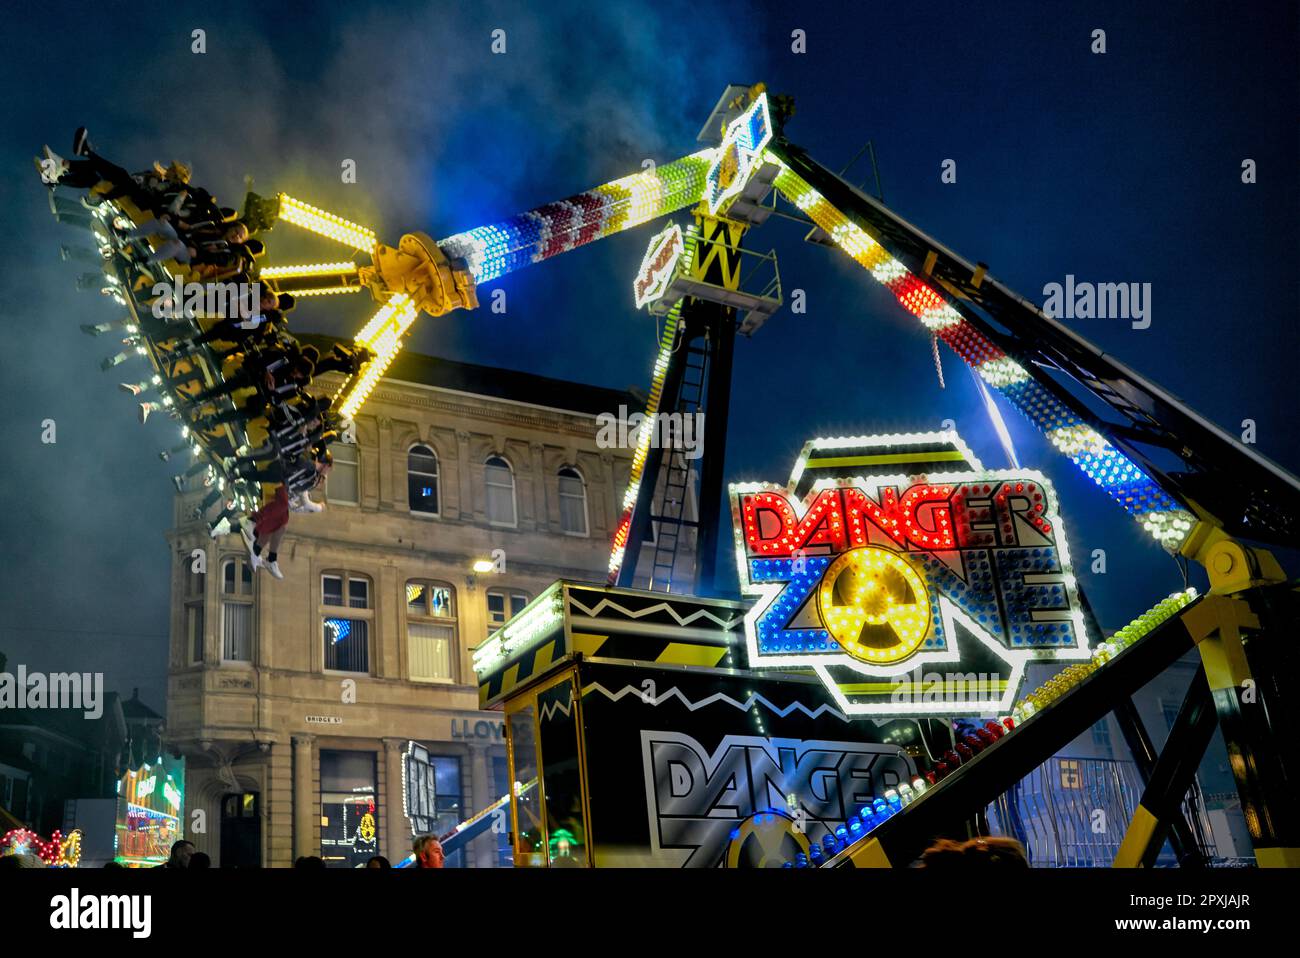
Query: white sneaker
{"x": 145, "y": 409}
{"x": 220, "y": 529}
{"x": 274, "y": 569}
{"x": 49, "y": 172}
{"x": 302, "y": 503}
{"x": 60, "y": 164}
{"x": 254, "y": 560}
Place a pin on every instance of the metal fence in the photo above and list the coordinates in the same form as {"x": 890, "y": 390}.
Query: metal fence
{"x": 1073, "y": 812}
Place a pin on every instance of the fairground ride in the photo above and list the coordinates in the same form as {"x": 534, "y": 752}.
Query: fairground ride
{"x": 1202, "y": 495}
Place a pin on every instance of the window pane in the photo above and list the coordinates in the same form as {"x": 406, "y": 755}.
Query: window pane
{"x": 561, "y": 777}
{"x": 500, "y": 491}
{"x": 332, "y": 590}
{"x": 228, "y": 576}
{"x": 573, "y": 503}
{"x": 497, "y": 606}
{"x": 359, "y": 593}
{"x": 573, "y": 515}
{"x": 530, "y": 842}
{"x": 501, "y": 786}
{"x": 245, "y": 578}
{"x": 500, "y": 505}
{"x": 440, "y": 601}
{"x": 343, "y": 484}
{"x": 448, "y": 802}
{"x": 423, "y": 461}
{"x": 422, "y": 480}
{"x": 349, "y": 818}
{"x": 446, "y": 772}
{"x": 346, "y": 646}
{"x": 517, "y": 602}
{"x": 422, "y": 493}
{"x": 431, "y": 650}
{"x": 237, "y": 632}
{"x": 417, "y": 598}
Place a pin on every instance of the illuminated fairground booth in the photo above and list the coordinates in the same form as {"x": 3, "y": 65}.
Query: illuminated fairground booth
{"x": 150, "y": 803}
{"x": 892, "y": 578}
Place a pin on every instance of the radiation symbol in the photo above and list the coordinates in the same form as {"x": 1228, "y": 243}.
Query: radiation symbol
{"x": 766, "y": 840}
{"x": 875, "y": 605}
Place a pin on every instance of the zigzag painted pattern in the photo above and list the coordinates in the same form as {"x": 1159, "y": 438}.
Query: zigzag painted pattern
{"x": 550, "y": 708}
{"x": 727, "y": 624}
{"x": 716, "y": 697}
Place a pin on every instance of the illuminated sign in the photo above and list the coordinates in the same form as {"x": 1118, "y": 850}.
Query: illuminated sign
{"x": 739, "y": 155}
{"x": 148, "y": 817}
{"x": 349, "y": 826}
{"x": 697, "y": 798}
{"x": 656, "y": 270}
{"x": 61, "y": 851}
{"x": 420, "y": 790}
{"x": 908, "y": 577}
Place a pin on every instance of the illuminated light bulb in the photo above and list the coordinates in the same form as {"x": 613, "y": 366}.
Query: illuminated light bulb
{"x": 325, "y": 224}
{"x": 327, "y": 291}
{"x": 307, "y": 269}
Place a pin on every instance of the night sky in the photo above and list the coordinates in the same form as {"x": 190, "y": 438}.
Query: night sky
{"x": 1122, "y": 167}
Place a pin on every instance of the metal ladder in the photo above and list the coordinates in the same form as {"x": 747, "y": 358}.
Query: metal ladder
{"x": 670, "y": 519}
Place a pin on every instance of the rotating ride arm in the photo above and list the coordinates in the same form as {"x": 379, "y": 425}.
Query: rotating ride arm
{"x": 420, "y": 275}
{"x": 1226, "y": 489}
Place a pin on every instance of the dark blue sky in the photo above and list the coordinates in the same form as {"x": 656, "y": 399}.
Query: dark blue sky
{"x": 1122, "y": 167}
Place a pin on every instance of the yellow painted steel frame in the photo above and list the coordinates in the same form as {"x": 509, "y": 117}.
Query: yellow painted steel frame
{"x": 870, "y": 855}
{"x": 417, "y": 267}
{"x": 517, "y": 703}
{"x": 1216, "y": 625}
{"x": 718, "y": 243}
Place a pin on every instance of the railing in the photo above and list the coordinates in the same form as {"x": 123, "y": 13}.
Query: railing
{"x": 1073, "y": 812}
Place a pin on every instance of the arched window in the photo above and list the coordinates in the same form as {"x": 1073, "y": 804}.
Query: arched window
{"x": 573, "y": 502}
{"x": 236, "y": 610}
{"x": 422, "y": 480}
{"x": 500, "y": 481}
{"x": 344, "y": 482}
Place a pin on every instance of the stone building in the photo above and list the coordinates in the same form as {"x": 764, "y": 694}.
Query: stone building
{"x": 294, "y": 701}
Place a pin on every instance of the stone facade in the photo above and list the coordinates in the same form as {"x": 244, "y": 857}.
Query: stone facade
{"x": 253, "y": 714}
